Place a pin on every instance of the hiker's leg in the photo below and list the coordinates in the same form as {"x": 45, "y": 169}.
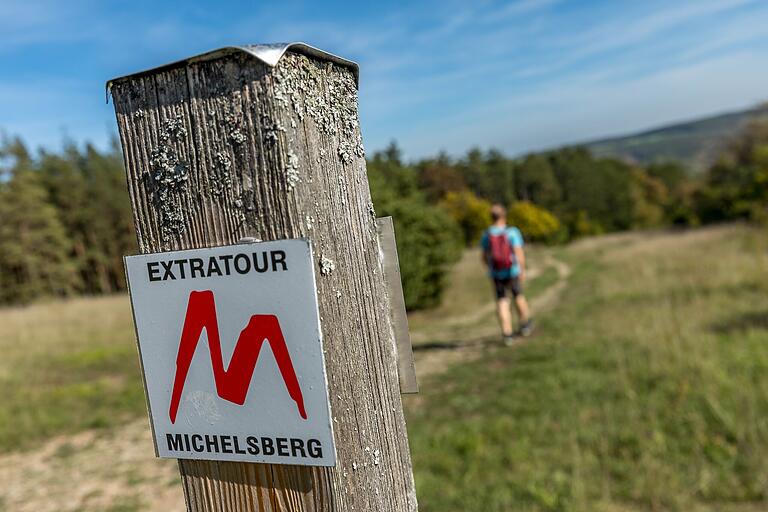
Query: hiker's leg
{"x": 503, "y": 311}
{"x": 521, "y": 305}
{"x": 505, "y": 315}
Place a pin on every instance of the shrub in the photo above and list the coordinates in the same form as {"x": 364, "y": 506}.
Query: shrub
{"x": 536, "y": 223}
{"x": 736, "y": 187}
{"x": 471, "y": 213}
{"x": 428, "y": 240}
{"x": 582, "y": 225}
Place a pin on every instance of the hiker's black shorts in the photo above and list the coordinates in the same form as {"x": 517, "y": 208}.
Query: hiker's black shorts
{"x": 511, "y": 283}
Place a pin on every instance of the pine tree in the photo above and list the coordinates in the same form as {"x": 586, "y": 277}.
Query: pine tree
{"x": 34, "y": 259}
{"x": 111, "y": 219}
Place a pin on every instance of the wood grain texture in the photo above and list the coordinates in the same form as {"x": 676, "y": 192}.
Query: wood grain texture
{"x": 224, "y": 149}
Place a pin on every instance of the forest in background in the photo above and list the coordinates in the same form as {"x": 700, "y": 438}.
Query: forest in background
{"x": 66, "y": 222}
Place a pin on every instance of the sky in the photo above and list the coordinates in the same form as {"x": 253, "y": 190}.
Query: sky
{"x": 442, "y": 75}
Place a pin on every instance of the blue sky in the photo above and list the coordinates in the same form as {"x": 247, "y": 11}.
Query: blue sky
{"x": 435, "y": 75}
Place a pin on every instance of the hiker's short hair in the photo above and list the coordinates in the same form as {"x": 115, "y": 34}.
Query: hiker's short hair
{"x": 498, "y": 212}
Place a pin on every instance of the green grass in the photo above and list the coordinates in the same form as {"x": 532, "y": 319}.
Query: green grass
{"x": 537, "y": 285}
{"x": 66, "y": 367}
{"x": 466, "y": 312}
{"x": 646, "y": 389}
{"x": 126, "y": 504}
{"x": 69, "y": 366}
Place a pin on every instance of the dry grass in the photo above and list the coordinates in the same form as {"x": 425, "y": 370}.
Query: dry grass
{"x": 66, "y": 366}
{"x": 467, "y": 311}
{"x": 93, "y": 471}
{"x": 646, "y": 389}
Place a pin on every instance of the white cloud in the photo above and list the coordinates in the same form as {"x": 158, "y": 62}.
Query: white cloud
{"x": 588, "y": 108}
{"x": 642, "y": 28}
{"x": 446, "y": 74}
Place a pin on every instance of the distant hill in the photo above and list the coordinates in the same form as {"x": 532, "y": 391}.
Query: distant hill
{"x": 695, "y": 143}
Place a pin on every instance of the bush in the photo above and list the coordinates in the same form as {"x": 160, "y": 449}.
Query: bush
{"x": 649, "y": 196}
{"x": 471, "y": 213}
{"x": 736, "y": 187}
{"x": 536, "y": 223}
{"x": 580, "y": 225}
{"x": 428, "y": 240}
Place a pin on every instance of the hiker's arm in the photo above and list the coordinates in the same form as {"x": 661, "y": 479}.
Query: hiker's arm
{"x": 484, "y": 249}
{"x": 520, "y": 257}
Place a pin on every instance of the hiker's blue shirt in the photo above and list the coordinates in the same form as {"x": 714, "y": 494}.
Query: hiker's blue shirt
{"x": 515, "y": 240}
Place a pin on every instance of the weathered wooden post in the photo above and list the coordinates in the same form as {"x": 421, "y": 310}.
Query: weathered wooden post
{"x": 264, "y": 141}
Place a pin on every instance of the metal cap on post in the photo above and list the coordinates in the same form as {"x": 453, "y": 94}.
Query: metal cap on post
{"x": 263, "y": 141}
{"x": 270, "y": 54}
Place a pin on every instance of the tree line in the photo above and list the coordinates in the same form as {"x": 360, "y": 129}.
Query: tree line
{"x": 66, "y": 222}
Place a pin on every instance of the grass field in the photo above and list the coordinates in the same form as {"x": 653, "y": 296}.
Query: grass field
{"x": 66, "y": 366}
{"x": 645, "y": 388}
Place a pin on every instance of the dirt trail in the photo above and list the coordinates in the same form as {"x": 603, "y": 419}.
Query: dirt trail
{"x": 436, "y": 359}
{"x": 116, "y": 470}
{"x": 549, "y": 297}
{"x": 91, "y": 471}
{"x": 472, "y": 318}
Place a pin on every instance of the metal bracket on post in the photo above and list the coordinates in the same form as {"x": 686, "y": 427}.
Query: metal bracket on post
{"x": 406, "y": 369}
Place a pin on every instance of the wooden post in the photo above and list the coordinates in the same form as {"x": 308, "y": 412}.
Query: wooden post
{"x": 228, "y": 146}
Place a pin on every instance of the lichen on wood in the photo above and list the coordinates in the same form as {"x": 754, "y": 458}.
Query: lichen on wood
{"x": 168, "y": 176}
{"x": 328, "y": 98}
{"x": 273, "y": 153}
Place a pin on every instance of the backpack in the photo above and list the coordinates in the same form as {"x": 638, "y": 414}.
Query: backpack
{"x": 502, "y": 255}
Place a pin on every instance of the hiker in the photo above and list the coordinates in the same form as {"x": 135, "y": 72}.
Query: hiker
{"x": 503, "y": 255}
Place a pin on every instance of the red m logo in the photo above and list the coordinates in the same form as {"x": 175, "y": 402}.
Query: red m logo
{"x": 231, "y": 384}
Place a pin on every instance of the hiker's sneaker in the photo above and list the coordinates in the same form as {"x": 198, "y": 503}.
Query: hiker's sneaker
{"x": 509, "y": 339}
{"x": 526, "y": 329}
